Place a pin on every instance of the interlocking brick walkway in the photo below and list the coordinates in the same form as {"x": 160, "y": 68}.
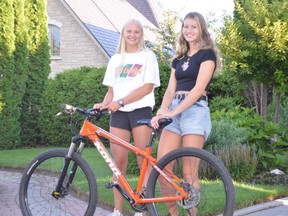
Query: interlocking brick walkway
{"x": 9, "y": 186}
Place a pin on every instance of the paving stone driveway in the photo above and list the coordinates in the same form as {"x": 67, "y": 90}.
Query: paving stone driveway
{"x": 9, "y": 204}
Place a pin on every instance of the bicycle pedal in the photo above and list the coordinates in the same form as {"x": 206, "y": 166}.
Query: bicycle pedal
{"x": 110, "y": 185}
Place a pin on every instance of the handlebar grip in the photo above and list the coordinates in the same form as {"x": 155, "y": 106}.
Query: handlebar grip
{"x": 98, "y": 112}
{"x": 68, "y": 109}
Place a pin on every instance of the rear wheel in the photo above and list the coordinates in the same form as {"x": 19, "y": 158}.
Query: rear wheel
{"x": 204, "y": 176}
{"x": 40, "y": 178}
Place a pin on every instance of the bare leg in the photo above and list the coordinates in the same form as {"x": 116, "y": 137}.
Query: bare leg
{"x": 169, "y": 141}
{"x": 120, "y": 155}
{"x": 141, "y": 135}
{"x": 191, "y": 165}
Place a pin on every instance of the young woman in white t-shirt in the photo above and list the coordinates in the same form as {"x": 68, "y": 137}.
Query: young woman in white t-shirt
{"x": 131, "y": 76}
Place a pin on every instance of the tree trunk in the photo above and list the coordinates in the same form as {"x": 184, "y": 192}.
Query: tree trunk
{"x": 277, "y": 107}
{"x": 263, "y": 99}
{"x": 255, "y": 96}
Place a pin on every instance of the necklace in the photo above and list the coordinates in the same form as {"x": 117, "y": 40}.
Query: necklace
{"x": 185, "y": 65}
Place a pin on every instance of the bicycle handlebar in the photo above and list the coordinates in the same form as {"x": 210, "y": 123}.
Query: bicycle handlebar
{"x": 69, "y": 110}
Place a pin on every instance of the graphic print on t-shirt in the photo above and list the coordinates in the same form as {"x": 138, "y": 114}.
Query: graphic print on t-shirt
{"x": 129, "y": 70}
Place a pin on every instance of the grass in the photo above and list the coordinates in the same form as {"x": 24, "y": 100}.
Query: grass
{"x": 246, "y": 194}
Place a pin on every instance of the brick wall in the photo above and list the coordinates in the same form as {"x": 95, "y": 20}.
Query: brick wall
{"x": 76, "y": 46}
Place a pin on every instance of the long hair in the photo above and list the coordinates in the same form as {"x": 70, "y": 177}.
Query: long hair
{"x": 204, "y": 42}
{"x": 122, "y": 44}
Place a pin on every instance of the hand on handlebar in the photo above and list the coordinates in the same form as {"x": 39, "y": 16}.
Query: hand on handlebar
{"x": 112, "y": 107}
{"x": 98, "y": 106}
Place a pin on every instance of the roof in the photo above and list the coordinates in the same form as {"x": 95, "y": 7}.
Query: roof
{"x": 145, "y": 9}
{"x": 104, "y": 19}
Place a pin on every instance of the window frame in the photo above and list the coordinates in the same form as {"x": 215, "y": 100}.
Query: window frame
{"x": 54, "y": 24}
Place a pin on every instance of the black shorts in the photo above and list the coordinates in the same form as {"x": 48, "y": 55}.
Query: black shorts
{"x": 128, "y": 120}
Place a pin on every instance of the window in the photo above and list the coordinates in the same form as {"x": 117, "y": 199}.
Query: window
{"x": 54, "y": 37}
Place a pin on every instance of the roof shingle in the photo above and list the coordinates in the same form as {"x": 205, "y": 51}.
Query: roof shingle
{"x": 104, "y": 19}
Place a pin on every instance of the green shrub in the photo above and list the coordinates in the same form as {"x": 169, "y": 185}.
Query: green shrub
{"x": 271, "y": 146}
{"x": 241, "y": 161}
{"x": 265, "y": 138}
{"x": 80, "y": 87}
{"x": 21, "y": 59}
{"x": 226, "y": 133}
{"x": 38, "y": 70}
{"x": 165, "y": 72}
{"x": 9, "y": 115}
{"x": 228, "y": 141}
{"x": 225, "y": 85}
{"x": 219, "y": 103}
{"x": 227, "y": 128}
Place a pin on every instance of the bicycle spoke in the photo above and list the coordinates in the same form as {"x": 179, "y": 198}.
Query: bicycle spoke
{"x": 207, "y": 192}
{"x": 37, "y": 188}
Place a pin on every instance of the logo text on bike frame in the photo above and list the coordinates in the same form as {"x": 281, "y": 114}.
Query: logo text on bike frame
{"x": 107, "y": 158}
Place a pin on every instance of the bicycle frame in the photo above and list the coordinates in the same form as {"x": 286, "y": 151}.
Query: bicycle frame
{"x": 185, "y": 180}
{"x": 94, "y": 133}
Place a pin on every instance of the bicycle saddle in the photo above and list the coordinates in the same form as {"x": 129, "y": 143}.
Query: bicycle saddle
{"x": 162, "y": 122}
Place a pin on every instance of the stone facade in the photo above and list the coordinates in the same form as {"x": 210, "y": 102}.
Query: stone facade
{"x": 77, "y": 47}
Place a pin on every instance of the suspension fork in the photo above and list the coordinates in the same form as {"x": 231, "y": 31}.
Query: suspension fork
{"x": 61, "y": 189}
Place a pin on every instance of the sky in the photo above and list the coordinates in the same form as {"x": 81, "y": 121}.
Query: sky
{"x": 218, "y": 7}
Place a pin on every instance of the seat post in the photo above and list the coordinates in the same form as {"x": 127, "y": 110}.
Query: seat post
{"x": 150, "y": 143}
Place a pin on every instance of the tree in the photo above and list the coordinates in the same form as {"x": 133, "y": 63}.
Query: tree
{"x": 8, "y": 121}
{"x": 166, "y": 37}
{"x": 38, "y": 67}
{"x": 21, "y": 52}
{"x": 21, "y": 63}
{"x": 254, "y": 46}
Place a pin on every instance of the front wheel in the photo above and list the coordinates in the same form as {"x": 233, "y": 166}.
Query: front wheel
{"x": 205, "y": 178}
{"x": 39, "y": 181}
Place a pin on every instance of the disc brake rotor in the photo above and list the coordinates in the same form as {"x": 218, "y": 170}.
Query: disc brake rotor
{"x": 193, "y": 199}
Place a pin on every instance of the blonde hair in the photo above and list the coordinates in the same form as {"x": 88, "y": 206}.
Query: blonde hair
{"x": 122, "y": 44}
{"x": 204, "y": 42}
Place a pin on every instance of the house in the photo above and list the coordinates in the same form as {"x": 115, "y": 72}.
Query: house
{"x": 86, "y": 32}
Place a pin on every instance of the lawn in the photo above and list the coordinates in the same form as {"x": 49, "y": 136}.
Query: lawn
{"x": 246, "y": 194}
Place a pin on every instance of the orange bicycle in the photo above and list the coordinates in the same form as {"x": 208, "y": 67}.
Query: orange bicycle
{"x": 60, "y": 182}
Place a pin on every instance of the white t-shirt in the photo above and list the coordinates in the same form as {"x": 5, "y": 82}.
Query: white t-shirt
{"x": 129, "y": 71}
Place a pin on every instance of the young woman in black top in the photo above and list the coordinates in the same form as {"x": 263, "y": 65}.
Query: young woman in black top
{"x": 185, "y": 100}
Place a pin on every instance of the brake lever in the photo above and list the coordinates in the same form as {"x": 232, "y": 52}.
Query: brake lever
{"x": 58, "y": 114}
{"x": 67, "y": 109}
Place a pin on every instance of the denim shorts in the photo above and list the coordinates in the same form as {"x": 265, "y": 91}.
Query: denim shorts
{"x": 128, "y": 120}
{"x": 194, "y": 120}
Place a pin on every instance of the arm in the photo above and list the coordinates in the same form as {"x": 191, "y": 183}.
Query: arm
{"x": 204, "y": 76}
{"x": 167, "y": 99}
{"x": 139, "y": 93}
{"x": 170, "y": 91}
{"x": 107, "y": 99}
{"x": 134, "y": 96}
